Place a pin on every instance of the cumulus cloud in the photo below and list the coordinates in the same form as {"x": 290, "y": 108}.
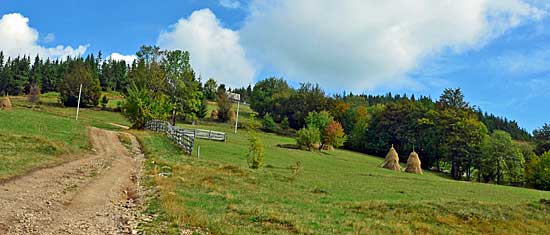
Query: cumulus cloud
{"x": 215, "y": 50}
{"x": 361, "y": 44}
{"x": 129, "y": 59}
{"x": 18, "y": 38}
{"x": 231, "y": 4}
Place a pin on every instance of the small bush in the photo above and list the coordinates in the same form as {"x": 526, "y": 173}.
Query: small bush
{"x": 104, "y": 101}
{"x": 255, "y": 151}
{"x": 252, "y": 123}
{"x": 268, "y": 124}
{"x": 284, "y": 123}
{"x": 307, "y": 137}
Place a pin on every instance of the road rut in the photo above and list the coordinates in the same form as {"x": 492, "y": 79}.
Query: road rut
{"x": 96, "y": 194}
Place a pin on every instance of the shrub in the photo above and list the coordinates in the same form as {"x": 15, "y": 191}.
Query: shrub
{"x": 334, "y": 135}
{"x": 104, "y": 102}
{"x": 255, "y": 151}
{"x": 307, "y": 137}
{"x": 284, "y": 123}
{"x": 142, "y": 105}
{"x": 268, "y": 124}
{"x": 224, "y": 107}
{"x": 538, "y": 172}
{"x": 69, "y": 87}
{"x": 34, "y": 94}
{"x": 252, "y": 123}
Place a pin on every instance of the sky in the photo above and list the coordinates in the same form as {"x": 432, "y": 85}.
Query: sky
{"x": 496, "y": 51}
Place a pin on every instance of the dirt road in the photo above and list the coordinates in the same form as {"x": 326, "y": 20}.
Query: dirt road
{"x": 93, "y": 195}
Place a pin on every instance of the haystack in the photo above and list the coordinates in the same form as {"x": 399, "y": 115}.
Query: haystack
{"x": 392, "y": 160}
{"x": 5, "y": 103}
{"x": 413, "y": 164}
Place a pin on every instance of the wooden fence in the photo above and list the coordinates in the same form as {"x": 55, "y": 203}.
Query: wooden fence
{"x": 206, "y": 134}
{"x": 176, "y": 134}
{"x": 184, "y": 137}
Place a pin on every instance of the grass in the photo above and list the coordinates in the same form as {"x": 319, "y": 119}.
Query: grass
{"x": 297, "y": 192}
{"x": 339, "y": 192}
{"x": 33, "y": 136}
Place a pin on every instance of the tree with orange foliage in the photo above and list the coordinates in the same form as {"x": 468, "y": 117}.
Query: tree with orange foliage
{"x": 334, "y": 135}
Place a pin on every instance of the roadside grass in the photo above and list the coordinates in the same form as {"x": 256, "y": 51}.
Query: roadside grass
{"x": 18, "y": 154}
{"x": 45, "y": 134}
{"x": 337, "y": 192}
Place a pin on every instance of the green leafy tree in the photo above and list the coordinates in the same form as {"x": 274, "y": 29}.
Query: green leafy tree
{"x": 269, "y": 96}
{"x": 69, "y": 88}
{"x": 142, "y": 105}
{"x": 224, "y": 106}
{"x": 319, "y": 120}
{"x": 502, "y": 161}
{"x": 538, "y": 172}
{"x": 181, "y": 86}
{"x": 460, "y": 133}
{"x": 308, "y": 98}
{"x": 307, "y": 137}
{"x": 210, "y": 89}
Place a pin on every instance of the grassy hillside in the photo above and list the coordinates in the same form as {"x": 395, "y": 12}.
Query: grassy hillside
{"x": 337, "y": 192}
{"x": 297, "y": 192}
{"x": 39, "y": 135}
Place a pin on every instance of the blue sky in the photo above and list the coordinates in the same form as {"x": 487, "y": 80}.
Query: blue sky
{"x": 497, "y": 51}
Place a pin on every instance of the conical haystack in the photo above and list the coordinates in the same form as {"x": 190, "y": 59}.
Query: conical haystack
{"x": 413, "y": 164}
{"x": 392, "y": 160}
{"x": 5, "y": 103}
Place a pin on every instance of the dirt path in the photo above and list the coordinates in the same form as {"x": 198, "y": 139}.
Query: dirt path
{"x": 93, "y": 195}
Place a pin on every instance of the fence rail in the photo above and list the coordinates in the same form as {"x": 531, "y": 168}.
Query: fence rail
{"x": 176, "y": 134}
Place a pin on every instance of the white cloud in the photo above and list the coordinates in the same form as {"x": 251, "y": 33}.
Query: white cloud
{"x": 215, "y": 51}
{"x": 49, "y": 38}
{"x": 18, "y": 38}
{"x": 119, "y": 57}
{"x": 231, "y": 4}
{"x": 361, "y": 44}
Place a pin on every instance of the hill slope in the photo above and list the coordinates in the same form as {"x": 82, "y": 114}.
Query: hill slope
{"x": 337, "y": 192}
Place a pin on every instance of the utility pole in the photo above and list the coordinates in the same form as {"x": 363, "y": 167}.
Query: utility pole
{"x": 237, "y": 118}
{"x": 78, "y": 104}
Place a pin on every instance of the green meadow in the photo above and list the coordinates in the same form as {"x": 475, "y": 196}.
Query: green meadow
{"x": 329, "y": 192}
